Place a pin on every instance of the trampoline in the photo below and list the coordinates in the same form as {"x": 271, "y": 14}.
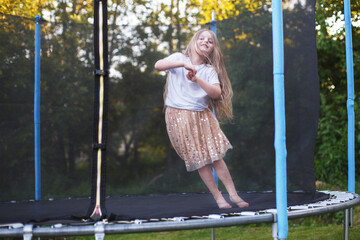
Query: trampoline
{"x": 41, "y": 218}
{"x": 42, "y": 221}
{"x": 165, "y": 197}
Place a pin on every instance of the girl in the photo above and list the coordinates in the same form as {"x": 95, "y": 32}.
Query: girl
{"x": 194, "y": 78}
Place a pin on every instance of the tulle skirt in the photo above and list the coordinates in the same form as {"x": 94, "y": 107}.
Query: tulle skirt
{"x": 196, "y": 136}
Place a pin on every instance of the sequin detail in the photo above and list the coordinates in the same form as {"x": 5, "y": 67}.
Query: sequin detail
{"x": 196, "y": 136}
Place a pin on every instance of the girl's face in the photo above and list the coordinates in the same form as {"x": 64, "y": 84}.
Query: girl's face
{"x": 205, "y": 43}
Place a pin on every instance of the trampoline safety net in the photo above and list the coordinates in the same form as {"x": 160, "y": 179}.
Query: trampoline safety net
{"x": 140, "y": 158}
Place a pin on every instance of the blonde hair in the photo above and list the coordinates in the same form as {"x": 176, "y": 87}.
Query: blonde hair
{"x": 222, "y": 106}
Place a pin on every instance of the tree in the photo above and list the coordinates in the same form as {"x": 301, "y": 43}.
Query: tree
{"x": 66, "y": 66}
{"x": 331, "y": 147}
{"x": 23, "y": 8}
{"x": 223, "y": 9}
{"x": 16, "y": 123}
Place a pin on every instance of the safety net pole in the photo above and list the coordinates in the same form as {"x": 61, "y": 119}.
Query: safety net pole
{"x": 37, "y": 109}
{"x": 97, "y": 208}
{"x": 213, "y": 29}
{"x": 279, "y": 112}
{"x": 350, "y": 97}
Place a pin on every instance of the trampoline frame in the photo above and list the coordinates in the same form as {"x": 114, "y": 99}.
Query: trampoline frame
{"x": 338, "y": 201}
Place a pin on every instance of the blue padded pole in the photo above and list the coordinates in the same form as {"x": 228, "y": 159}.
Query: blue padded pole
{"x": 279, "y": 108}
{"x": 350, "y": 99}
{"x": 37, "y": 110}
{"x": 213, "y": 29}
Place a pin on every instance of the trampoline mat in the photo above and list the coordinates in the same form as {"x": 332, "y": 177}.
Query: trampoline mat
{"x": 144, "y": 207}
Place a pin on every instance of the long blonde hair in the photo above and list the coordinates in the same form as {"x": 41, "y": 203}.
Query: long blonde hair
{"x": 222, "y": 106}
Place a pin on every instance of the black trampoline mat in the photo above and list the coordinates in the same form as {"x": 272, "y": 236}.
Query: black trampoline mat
{"x": 144, "y": 207}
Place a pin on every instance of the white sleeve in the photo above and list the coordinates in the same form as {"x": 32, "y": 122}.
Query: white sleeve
{"x": 213, "y": 77}
{"x": 174, "y": 57}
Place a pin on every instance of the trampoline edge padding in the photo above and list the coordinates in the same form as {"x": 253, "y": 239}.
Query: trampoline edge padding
{"x": 328, "y": 206}
{"x": 338, "y": 201}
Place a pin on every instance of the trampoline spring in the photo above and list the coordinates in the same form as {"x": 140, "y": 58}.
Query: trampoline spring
{"x": 178, "y": 219}
{"x": 215, "y": 216}
{"x": 12, "y": 225}
{"x": 248, "y": 213}
{"x": 138, "y": 221}
{"x": 123, "y": 222}
{"x": 273, "y": 211}
{"x": 300, "y": 207}
{"x": 58, "y": 225}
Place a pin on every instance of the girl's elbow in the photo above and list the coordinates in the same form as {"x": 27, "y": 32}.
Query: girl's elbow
{"x": 161, "y": 65}
{"x": 157, "y": 66}
{"x": 217, "y": 95}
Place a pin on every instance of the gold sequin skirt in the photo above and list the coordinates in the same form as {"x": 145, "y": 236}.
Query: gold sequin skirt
{"x": 196, "y": 136}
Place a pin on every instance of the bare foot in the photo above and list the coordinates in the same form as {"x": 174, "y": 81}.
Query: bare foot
{"x": 238, "y": 201}
{"x": 222, "y": 203}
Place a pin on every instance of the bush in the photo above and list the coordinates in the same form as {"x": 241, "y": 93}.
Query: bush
{"x": 331, "y": 143}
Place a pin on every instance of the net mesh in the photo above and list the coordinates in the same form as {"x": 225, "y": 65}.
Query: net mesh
{"x": 140, "y": 159}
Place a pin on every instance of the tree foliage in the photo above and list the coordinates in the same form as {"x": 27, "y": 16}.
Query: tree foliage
{"x": 223, "y": 9}
{"x": 23, "y": 8}
{"x": 331, "y": 147}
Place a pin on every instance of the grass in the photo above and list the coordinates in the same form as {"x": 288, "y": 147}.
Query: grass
{"x": 309, "y": 229}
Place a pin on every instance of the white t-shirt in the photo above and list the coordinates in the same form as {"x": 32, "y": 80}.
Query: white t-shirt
{"x": 185, "y": 94}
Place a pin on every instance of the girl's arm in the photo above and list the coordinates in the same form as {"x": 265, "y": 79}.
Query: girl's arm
{"x": 213, "y": 90}
{"x": 166, "y": 64}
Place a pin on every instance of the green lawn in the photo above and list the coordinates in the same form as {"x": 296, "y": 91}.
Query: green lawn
{"x": 328, "y": 232}
{"x": 299, "y": 232}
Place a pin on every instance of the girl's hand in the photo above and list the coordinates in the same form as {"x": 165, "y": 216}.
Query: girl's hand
{"x": 190, "y": 67}
{"x": 192, "y": 71}
{"x": 191, "y": 76}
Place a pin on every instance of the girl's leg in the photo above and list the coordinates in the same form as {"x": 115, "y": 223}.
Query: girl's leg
{"x": 208, "y": 178}
{"x": 224, "y": 175}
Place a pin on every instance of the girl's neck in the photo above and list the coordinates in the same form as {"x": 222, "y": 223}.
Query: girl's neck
{"x": 196, "y": 59}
